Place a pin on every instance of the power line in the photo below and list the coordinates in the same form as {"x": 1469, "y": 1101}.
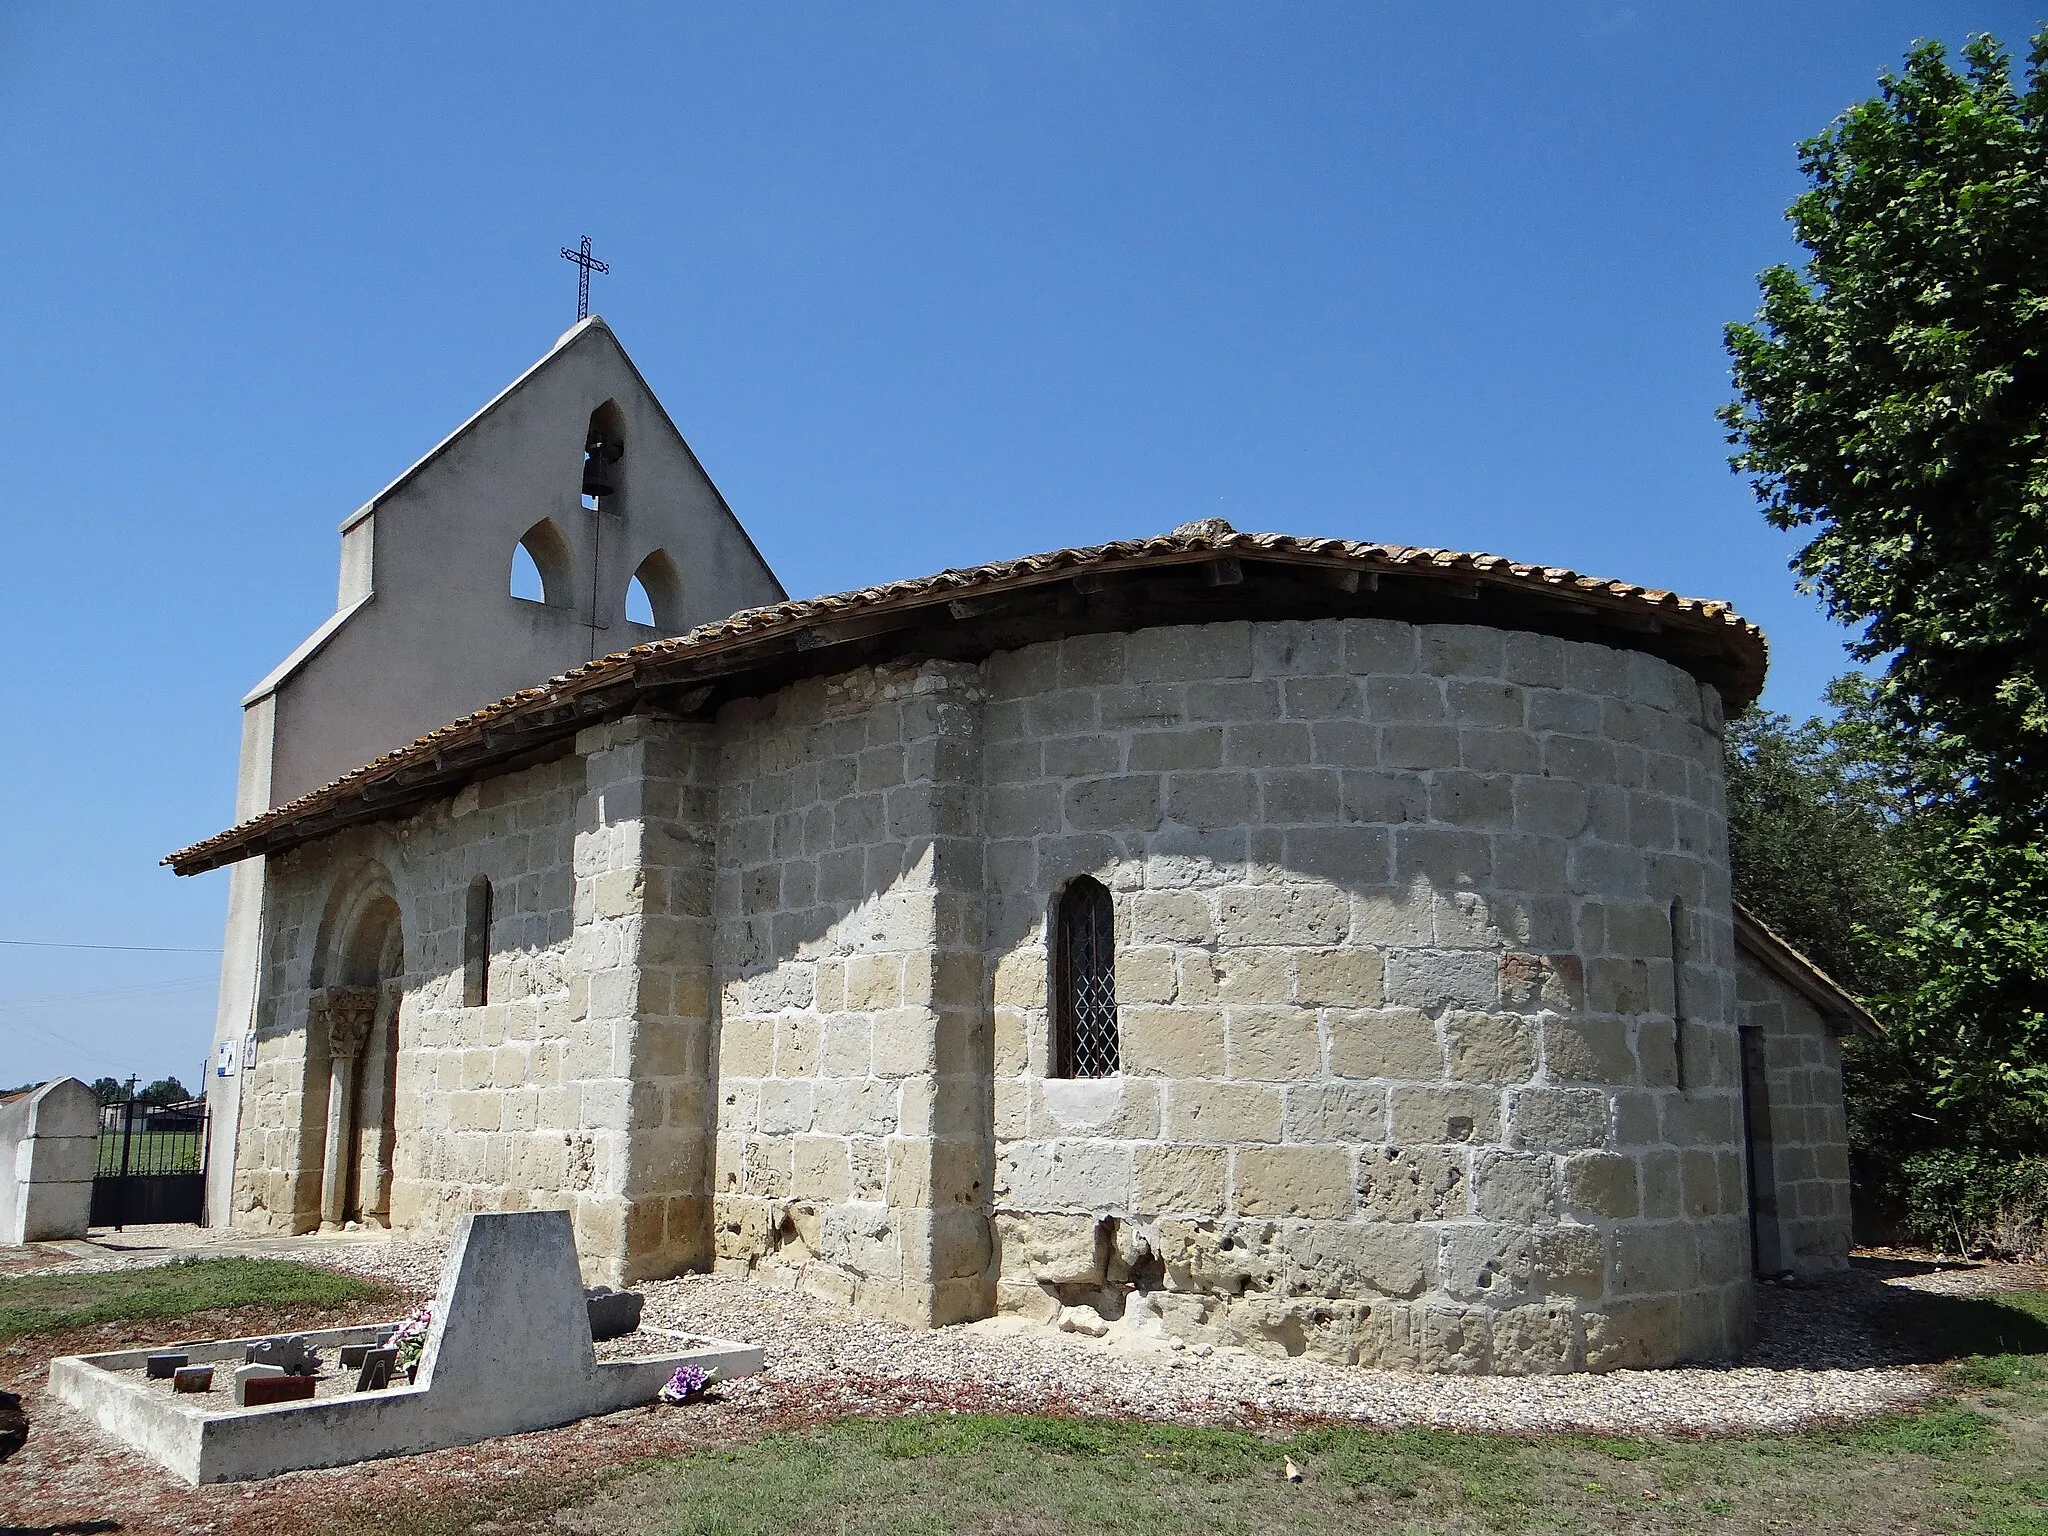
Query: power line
{"x": 133, "y": 949}
{"x": 92, "y": 1052}
{"x": 139, "y": 989}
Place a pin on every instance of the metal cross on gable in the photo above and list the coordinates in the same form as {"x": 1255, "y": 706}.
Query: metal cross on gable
{"x": 586, "y": 264}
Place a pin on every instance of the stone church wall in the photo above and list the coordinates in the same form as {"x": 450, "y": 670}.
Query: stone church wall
{"x": 581, "y": 1084}
{"x": 1804, "y": 1224}
{"x": 1394, "y": 923}
{"x": 1393, "y": 913}
{"x": 483, "y": 1095}
{"x": 853, "y": 1080}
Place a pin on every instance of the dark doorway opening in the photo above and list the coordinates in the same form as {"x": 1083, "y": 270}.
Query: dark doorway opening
{"x": 1765, "y": 1257}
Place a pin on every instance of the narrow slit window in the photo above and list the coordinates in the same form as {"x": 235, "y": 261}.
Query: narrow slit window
{"x": 476, "y": 945}
{"x": 1084, "y": 1030}
{"x": 1678, "y": 993}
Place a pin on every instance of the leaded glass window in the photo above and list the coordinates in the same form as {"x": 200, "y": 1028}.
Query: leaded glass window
{"x": 1084, "y": 1033}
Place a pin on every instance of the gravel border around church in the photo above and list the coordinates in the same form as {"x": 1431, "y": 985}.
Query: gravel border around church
{"x": 1823, "y": 1355}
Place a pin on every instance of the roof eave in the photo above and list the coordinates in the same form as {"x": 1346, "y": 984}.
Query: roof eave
{"x": 1842, "y": 1013}
{"x": 763, "y": 637}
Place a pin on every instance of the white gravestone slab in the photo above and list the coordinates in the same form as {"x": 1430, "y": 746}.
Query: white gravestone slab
{"x": 509, "y": 1351}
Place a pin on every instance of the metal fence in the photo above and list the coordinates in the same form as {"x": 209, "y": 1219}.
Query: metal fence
{"x": 151, "y": 1165}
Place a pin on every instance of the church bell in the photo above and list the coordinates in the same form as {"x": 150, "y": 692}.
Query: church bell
{"x": 599, "y": 479}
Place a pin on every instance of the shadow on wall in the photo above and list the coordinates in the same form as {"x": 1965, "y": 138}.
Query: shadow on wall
{"x": 1447, "y": 879}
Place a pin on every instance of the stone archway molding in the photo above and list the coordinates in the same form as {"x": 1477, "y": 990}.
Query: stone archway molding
{"x": 348, "y": 1014}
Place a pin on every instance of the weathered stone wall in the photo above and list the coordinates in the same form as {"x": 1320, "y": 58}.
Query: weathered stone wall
{"x": 853, "y": 1048}
{"x": 582, "y": 1083}
{"x": 1394, "y": 957}
{"x": 1401, "y": 1078}
{"x": 1803, "y": 1223}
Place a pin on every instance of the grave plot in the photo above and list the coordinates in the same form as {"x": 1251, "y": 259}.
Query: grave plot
{"x": 508, "y": 1349}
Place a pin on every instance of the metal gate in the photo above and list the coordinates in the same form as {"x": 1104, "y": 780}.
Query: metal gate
{"x": 152, "y": 1164}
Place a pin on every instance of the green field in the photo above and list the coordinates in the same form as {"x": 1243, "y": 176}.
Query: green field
{"x": 151, "y": 1152}
{"x": 1975, "y": 1461}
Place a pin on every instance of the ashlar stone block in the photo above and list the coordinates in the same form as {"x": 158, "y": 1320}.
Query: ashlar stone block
{"x": 1182, "y": 1180}
{"x": 1412, "y": 1183}
{"x": 1345, "y": 978}
{"x": 1312, "y": 1182}
{"x": 1489, "y": 1047}
{"x": 1387, "y": 1042}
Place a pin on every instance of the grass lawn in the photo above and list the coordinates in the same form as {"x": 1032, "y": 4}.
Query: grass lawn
{"x": 1975, "y": 1462}
{"x": 44, "y": 1303}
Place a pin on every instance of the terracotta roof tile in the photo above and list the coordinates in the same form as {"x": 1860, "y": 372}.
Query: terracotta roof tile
{"x": 1741, "y": 642}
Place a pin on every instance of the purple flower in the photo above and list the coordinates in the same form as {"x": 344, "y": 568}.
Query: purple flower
{"x": 687, "y": 1385}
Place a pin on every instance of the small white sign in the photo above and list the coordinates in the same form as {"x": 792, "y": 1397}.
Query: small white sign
{"x": 249, "y": 1052}
{"x": 224, "y": 1059}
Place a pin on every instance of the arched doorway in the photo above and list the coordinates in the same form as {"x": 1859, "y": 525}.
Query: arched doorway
{"x": 356, "y": 1008}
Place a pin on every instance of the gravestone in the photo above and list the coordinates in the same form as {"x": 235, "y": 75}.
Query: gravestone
{"x": 290, "y": 1355}
{"x": 508, "y": 1350}
{"x": 262, "y": 1391}
{"x": 613, "y": 1314}
{"x": 244, "y": 1374}
{"x": 374, "y": 1372}
{"x": 166, "y": 1363}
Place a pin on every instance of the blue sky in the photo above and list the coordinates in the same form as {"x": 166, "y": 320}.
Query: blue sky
{"x": 924, "y": 285}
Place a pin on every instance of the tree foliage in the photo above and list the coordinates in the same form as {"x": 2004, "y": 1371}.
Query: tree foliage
{"x": 1894, "y": 398}
{"x": 1817, "y": 832}
{"x": 1821, "y": 842}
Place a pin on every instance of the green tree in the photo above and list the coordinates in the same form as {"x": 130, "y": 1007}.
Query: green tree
{"x": 165, "y": 1090}
{"x": 1893, "y": 399}
{"x": 107, "y": 1090}
{"x": 1818, "y": 836}
{"x": 1821, "y": 841}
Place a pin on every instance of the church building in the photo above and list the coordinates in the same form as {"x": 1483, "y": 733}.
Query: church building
{"x": 1322, "y": 947}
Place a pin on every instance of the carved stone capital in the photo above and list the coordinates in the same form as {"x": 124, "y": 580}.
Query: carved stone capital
{"x": 348, "y": 1012}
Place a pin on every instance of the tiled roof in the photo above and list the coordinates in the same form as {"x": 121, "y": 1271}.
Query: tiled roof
{"x": 732, "y": 644}
{"x": 1830, "y": 999}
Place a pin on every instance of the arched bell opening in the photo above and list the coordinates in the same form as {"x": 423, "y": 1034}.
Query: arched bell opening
{"x": 604, "y": 457}
{"x": 654, "y": 596}
{"x": 359, "y": 975}
{"x": 541, "y": 565}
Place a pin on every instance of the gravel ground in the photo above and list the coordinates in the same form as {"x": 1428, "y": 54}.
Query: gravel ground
{"x": 1844, "y": 1348}
{"x": 1136, "y": 1375}
{"x": 1836, "y": 1349}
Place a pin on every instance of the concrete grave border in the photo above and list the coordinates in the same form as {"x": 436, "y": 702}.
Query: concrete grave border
{"x": 508, "y": 1351}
